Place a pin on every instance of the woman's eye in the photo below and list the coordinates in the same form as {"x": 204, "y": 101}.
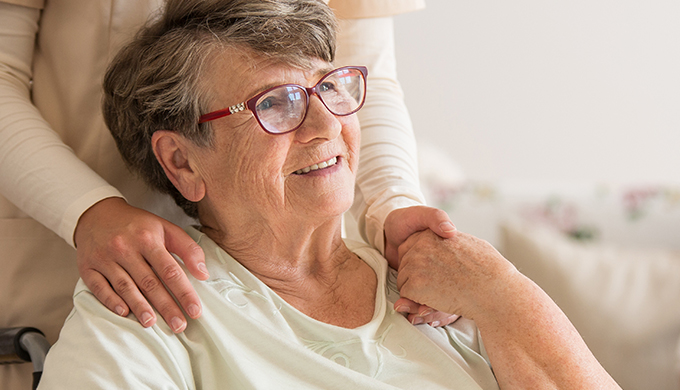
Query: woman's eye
{"x": 265, "y": 104}
{"x": 326, "y": 86}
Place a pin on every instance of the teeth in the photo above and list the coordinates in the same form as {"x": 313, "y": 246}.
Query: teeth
{"x": 320, "y": 165}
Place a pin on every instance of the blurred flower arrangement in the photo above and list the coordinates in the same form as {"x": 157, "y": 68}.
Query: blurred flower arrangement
{"x": 644, "y": 215}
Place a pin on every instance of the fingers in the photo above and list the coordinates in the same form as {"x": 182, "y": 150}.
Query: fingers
{"x": 404, "y": 305}
{"x": 406, "y": 221}
{"x": 120, "y": 247}
{"x": 103, "y": 291}
{"x": 174, "y": 279}
{"x": 117, "y": 290}
{"x": 433, "y": 318}
{"x": 126, "y": 281}
{"x": 141, "y": 288}
{"x": 179, "y": 243}
{"x": 126, "y": 287}
{"x": 422, "y": 314}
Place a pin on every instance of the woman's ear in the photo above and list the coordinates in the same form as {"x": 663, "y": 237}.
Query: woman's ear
{"x": 172, "y": 152}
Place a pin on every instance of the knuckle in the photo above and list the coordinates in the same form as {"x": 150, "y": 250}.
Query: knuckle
{"x": 118, "y": 244}
{"x": 123, "y": 287}
{"x": 149, "y": 283}
{"x": 171, "y": 272}
{"x": 97, "y": 287}
{"x": 195, "y": 249}
{"x": 146, "y": 237}
{"x": 186, "y": 297}
{"x": 414, "y": 262}
{"x": 418, "y": 279}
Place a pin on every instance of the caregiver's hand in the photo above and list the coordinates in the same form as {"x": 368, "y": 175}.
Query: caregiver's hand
{"x": 400, "y": 224}
{"x": 118, "y": 249}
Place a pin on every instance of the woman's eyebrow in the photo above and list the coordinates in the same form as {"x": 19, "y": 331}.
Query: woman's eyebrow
{"x": 319, "y": 74}
{"x": 323, "y": 71}
{"x": 258, "y": 89}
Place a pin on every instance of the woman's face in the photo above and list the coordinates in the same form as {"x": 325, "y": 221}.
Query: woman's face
{"x": 253, "y": 174}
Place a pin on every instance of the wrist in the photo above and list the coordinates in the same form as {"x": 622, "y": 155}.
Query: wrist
{"x": 95, "y": 213}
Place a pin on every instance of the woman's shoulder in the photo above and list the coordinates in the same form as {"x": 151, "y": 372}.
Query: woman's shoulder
{"x": 220, "y": 264}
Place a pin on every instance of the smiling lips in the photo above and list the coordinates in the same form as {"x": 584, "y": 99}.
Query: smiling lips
{"x": 321, "y": 165}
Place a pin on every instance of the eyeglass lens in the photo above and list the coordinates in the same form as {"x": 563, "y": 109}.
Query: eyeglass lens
{"x": 283, "y": 109}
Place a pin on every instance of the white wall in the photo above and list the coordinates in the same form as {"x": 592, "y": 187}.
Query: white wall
{"x": 579, "y": 90}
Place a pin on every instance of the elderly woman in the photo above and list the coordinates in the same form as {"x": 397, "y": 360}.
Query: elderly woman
{"x": 289, "y": 304}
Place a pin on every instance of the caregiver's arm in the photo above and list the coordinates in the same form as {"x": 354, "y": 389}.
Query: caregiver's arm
{"x": 531, "y": 344}
{"x": 387, "y": 180}
{"x": 388, "y": 173}
{"x": 46, "y": 180}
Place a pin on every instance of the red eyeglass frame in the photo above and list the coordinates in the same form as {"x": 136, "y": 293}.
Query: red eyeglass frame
{"x": 250, "y": 104}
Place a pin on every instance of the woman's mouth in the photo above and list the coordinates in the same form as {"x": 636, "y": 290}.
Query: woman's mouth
{"x": 321, "y": 165}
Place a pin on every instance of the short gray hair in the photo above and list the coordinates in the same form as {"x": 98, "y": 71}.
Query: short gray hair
{"x": 154, "y": 83}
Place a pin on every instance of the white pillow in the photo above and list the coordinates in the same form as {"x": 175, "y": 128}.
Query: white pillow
{"x": 624, "y": 302}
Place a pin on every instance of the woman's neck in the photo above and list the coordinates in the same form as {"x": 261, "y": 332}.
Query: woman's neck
{"x": 310, "y": 267}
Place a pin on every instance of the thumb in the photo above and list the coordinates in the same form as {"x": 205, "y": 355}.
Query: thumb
{"x": 177, "y": 241}
{"x": 438, "y": 221}
{"x": 400, "y": 224}
{"x": 418, "y": 218}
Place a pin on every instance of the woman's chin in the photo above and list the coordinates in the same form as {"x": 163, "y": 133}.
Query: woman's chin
{"x": 332, "y": 205}
{"x": 325, "y": 192}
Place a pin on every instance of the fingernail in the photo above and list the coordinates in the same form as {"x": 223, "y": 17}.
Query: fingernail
{"x": 146, "y": 318}
{"x": 203, "y": 268}
{"x": 193, "y": 310}
{"x": 426, "y": 312}
{"x": 177, "y": 324}
{"x": 120, "y": 310}
{"x": 401, "y": 309}
{"x": 434, "y": 324}
{"x": 417, "y": 321}
{"x": 447, "y": 227}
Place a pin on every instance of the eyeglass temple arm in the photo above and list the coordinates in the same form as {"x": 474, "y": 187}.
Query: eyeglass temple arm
{"x": 222, "y": 113}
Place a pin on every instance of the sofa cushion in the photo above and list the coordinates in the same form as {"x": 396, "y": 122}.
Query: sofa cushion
{"x": 625, "y": 302}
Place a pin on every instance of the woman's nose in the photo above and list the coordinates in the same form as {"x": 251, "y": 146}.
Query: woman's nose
{"x": 319, "y": 123}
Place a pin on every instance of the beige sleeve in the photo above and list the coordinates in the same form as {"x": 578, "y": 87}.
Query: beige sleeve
{"x": 38, "y": 172}
{"x": 388, "y": 169}
{"x": 39, "y": 4}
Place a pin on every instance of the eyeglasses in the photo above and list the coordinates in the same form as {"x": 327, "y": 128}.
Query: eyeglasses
{"x": 282, "y": 109}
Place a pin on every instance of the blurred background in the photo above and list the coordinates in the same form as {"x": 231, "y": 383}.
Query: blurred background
{"x": 578, "y": 90}
{"x": 552, "y": 130}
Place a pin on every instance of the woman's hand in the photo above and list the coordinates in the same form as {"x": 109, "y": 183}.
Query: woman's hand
{"x": 457, "y": 275}
{"x": 400, "y": 224}
{"x": 122, "y": 251}
{"x": 530, "y": 343}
